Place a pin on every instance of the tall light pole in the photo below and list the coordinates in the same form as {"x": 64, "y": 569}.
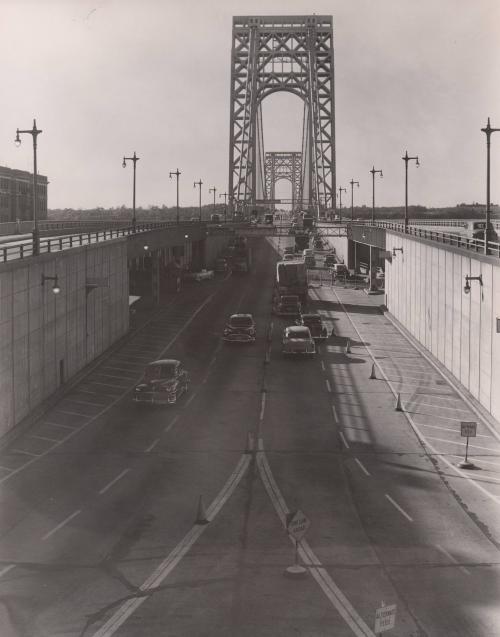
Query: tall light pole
{"x": 133, "y": 159}
{"x": 488, "y": 130}
{"x": 176, "y": 173}
{"x": 340, "y": 202}
{"x": 214, "y": 190}
{"x": 352, "y": 182}
{"x": 374, "y": 172}
{"x": 199, "y": 184}
{"x": 224, "y": 194}
{"x": 34, "y": 132}
{"x": 406, "y": 159}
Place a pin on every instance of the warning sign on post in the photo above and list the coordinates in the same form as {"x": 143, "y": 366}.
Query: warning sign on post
{"x": 385, "y": 618}
{"x": 468, "y": 429}
{"x": 297, "y": 524}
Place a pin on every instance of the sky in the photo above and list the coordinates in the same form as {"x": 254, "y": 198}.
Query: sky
{"x": 105, "y": 78}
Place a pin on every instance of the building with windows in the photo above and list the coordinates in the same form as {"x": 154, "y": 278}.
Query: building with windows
{"x": 16, "y": 195}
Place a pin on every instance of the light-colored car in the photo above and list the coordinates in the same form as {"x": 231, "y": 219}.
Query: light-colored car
{"x": 291, "y": 257}
{"x": 163, "y": 383}
{"x": 204, "y": 275}
{"x": 297, "y": 340}
{"x": 240, "y": 328}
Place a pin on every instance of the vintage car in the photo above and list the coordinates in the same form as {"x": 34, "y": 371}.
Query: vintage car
{"x": 221, "y": 264}
{"x": 164, "y": 381}
{"x": 288, "y": 305}
{"x": 315, "y": 325}
{"x": 291, "y": 257}
{"x": 203, "y": 275}
{"x": 330, "y": 260}
{"x": 240, "y": 328}
{"x": 297, "y": 340}
{"x": 289, "y": 250}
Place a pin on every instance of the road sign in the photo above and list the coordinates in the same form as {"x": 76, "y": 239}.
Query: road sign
{"x": 297, "y": 524}
{"x": 468, "y": 429}
{"x": 385, "y": 618}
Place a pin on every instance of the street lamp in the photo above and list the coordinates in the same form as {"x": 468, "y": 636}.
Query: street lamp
{"x": 224, "y": 194}
{"x": 34, "y": 132}
{"x": 199, "y": 184}
{"x": 176, "y": 173}
{"x": 468, "y": 279}
{"x": 488, "y": 130}
{"x": 340, "y": 202}
{"x": 55, "y": 287}
{"x": 133, "y": 159}
{"x": 214, "y": 190}
{"x": 374, "y": 172}
{"x": 352, "y": 182}
{"x": 406, "y": 159}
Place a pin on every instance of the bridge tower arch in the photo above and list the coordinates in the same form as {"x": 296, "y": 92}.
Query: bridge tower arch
{"x": 282, "y": 53}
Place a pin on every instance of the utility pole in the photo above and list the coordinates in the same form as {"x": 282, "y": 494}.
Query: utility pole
{"x": 199, "y": 184}
{"x": 177, "y": 174}
{"x": 352, "y": 182}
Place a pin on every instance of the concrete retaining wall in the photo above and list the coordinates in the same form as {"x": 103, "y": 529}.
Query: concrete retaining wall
{"x": 425, "y": 292}
{"x": 46, "y": 338}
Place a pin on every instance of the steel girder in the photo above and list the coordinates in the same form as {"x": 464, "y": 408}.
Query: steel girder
{"x": 282, "y": 53}
{"x": 288, "y": 166}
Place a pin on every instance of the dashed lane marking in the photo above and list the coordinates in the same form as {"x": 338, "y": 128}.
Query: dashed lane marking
{"x": 190, "y": 400}
{"x": 27, "y": 453}
{"x": 323, "y": 366}
{"x": 262, "y": 407}
{"x": 114, "y": 481}
{"x": 97, "y": 382}
{"x": 346, "y": 444}
{"x": 6, "y": 569}
{"x": 400, "y": 509}
{"x": 44, "y": 438}
{"x": 335, "y": 416}
{"x": 362, "y": 467}
{"x": 70, "y": 413}
{"x": 452, "y": 559}
{"x": 328, "y": 386}
{"x": 152, "y": 445}
{"x": 61, "y": 524}
{"x": 423, "y": 424}
{"x": 56, "y": 424}
{"x": 171, "y": 424}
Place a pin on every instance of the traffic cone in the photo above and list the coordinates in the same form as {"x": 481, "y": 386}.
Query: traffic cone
{"x": 398, "y": 404}
{"x": 249, "y": 447}
{"x": 201, "y": 515}
{"x": 348, "y": 346}
{"x": 373, "y": 375}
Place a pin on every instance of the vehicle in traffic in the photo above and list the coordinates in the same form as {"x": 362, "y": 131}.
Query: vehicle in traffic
{"x": 297, "y": 340}
{"x": 221, "y": 264}
{"x": 340, "y": 269}
{"x": 287, "y": 305}
{"x": 163, "y": 383}
{"x": 315, "y": 324}
{"x": 269, "y": 218}
{"x": 301, "y": 240}
{"x": 290, "y": 257}
{"x": 240, "y": 328}
{"x": 291, "y": 278}
{"x": 330, "y": 260}
{"x": 289, "y": 250}
{"x": 215, "y": 218}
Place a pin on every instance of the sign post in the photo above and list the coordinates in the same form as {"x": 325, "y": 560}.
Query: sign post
{"x": 467, "y": 430}
{"x": 296, "y": 525}
{"x": 385, "y": 618}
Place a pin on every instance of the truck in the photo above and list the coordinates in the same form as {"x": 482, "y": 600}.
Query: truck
{"x": 307, "y": 222}
{"x": 301, "y": 241}
{"x": 269, "y": 218}
{"x": 291, "y": 279}
{"x": 215, "y": 218}
{"x": 241, "y": 259}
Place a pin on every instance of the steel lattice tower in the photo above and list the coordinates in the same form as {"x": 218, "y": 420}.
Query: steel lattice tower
{"x": 286, "y": 166}
{"x": 282, "y": 53}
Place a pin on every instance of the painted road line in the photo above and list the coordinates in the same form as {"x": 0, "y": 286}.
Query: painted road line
{"x": 56, "y": 424}
{"x": 464, "y": 411}
{"x": 323, "y": 366}
{"x": 452, "y": 559}
{"x": 424, "y": 424}
{"x": 61, "y": 524}
{"x": 6, "y": 569}
{"x": 121, "y": 615}
{"x": 69, "y": 412}
{"x": 402, "y": 511}
{"x": 212, "y": 361}
{"x": 152, "y": 445}
{"x": 262, "y": 406}
{"x": 346, "y": 444}
{"x": 114, "y": 481}
{"x": 96, "y": 382}
{"x": 96, "y": 393}
{"x": 6, "y": 468}
{"x": 474, "y": 460}
{"x": 362, "y": 467}
{"x": 190, "y": 399}
{"x": 172, "y": 423}
{"x": 83, "y": 402}
{"x": 328, "y": 386}
{"x": 335, "y": 416}
{"x": 26, "y": 453}
{"x": 458, "y": 442}
{"x": 111, "y": 375}
{"x": 44, "y": 438}
{"x": 338, "y": 600}
{"x": 463, "y": 474}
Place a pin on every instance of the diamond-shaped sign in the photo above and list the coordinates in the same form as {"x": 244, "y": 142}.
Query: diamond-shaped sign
{"x": 297, "y": 524}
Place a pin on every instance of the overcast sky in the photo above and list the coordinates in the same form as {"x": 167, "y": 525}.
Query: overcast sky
{"x": 106, "y": 77}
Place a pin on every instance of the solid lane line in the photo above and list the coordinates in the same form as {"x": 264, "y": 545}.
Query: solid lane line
{"x": 402, "y": 511}
{"x": 423, "y": 424}
{"x": 110, "y": 484}
{"x": 363, "y": 468}
{"x": 452, "y": 559}
{"x": 463, "y": 444}
{"x": 56, "y": 424}
{"x": 61, "y": 524}
{"x": 152, "y": 445}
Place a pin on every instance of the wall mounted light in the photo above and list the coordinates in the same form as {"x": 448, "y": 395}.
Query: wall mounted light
{"x": 468, "y": 279}
{"x": 55, "y": 287}
{"x": 394, "y": 250}
{"x": 146, "y": 248}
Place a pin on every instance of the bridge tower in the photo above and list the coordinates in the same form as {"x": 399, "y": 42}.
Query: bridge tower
{"x": 282, "y": 53}
{"x": 288, "y": 166}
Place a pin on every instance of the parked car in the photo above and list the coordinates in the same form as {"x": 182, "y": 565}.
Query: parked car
{"x": 315, "y": 324}
{"x": 163, "y": 383}
{"x": 240, "y": 328}
{"x": 203, "y": 275}
{"x": 288, "y": 305}
{"x": 297, "y": 340}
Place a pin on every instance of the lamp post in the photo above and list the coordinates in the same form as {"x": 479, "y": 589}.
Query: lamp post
{"x": 340, "y": 202}
{"x": 406, "y": 159}
{"x": 214, "y": 190}
{"x": 352, "y": 182}
{"x": 176, "y": 173}
{"x": 34, "y": 132}
{"x": 224, "y": 194}
{"x": 488, "y": 130}
{"x": 374, "y": 172}
{"x": 199, "y": 184}
{"x": 133, "y": 159}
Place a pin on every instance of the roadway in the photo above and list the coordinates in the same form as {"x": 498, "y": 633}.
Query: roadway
{"x": 100, "y": 497}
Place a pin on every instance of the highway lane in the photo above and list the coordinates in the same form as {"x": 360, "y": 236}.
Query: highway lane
{"x": 323, "y": 439}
